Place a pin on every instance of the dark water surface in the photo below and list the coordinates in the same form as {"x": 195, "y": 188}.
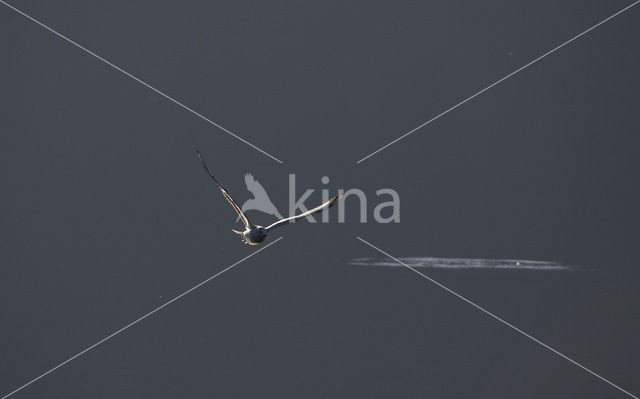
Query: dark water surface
{"x": 106, "y": 213}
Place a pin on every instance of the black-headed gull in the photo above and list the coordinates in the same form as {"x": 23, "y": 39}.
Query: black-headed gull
{"x": 255, "y": 234}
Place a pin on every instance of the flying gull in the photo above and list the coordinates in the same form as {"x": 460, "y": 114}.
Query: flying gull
{"x": 255, "y": 234}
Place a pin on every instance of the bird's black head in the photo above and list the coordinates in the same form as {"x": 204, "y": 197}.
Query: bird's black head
{"x": 261, "y": 234}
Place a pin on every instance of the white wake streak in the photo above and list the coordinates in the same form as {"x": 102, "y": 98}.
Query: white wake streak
{"x": 465, "y": 263}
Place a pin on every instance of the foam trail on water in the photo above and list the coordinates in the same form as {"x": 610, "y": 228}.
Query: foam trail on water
{"x": 465, "y": 263}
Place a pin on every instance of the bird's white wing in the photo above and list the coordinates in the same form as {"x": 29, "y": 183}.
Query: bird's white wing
{"x": 255, "y": 187}
{"x": 317, "y": 209}
{"x": 235, "y": 206}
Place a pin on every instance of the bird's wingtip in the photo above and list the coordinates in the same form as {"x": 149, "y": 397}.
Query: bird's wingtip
{"x": 335, "y": 199}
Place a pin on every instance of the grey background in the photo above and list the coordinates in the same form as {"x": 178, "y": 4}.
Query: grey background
{"x": 106, "y": 213}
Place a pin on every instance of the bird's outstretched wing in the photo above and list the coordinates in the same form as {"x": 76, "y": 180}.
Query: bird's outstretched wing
{"x": 317, "y": 209}
{"x": 255, "y": 187}
{"x": 225, "y": 193}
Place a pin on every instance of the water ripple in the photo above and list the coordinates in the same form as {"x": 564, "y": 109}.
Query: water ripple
{"x": 465, "y": 263}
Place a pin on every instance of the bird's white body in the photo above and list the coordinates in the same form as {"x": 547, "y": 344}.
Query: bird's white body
{"x": 252, "y": 235}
